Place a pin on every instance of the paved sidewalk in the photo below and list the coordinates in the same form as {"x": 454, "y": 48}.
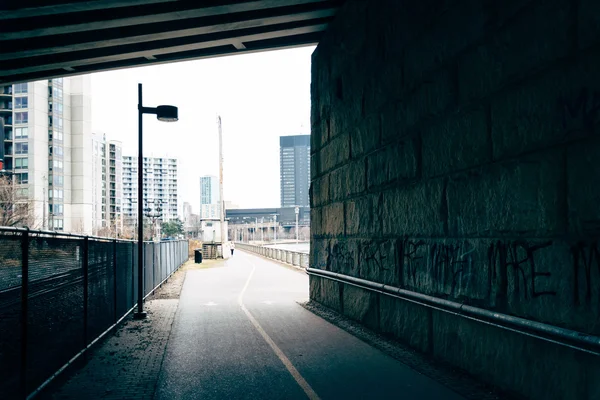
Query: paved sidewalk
{"x": 238, "y": 332}
{"x": 127, "y": 364}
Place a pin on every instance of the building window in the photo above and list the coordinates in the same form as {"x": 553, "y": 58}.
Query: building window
{"x": 21, "y": 163}
{"x": 21, "y": 148}
{"x": 21, "y": 117}
{"x": 21, "y": 102}
{"x": 56, "y": 150}
{"x": 20, "y": 88}
{"x": 58, "y": 224}
{"x": 22, "y": 193}
{"x": 22, "y": 178}
{"x": 57, "y": 93}
{"x": 21, "y": 133}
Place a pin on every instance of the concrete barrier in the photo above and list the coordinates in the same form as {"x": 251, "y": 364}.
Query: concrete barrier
{"x": 294, "y": 258}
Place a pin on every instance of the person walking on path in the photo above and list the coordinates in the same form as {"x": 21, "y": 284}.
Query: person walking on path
{"x": 232, "y": 247}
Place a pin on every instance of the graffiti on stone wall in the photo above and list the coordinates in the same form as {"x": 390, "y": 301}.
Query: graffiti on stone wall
{"x": 501, "y": 271}
{"x": 444, "y": 267}
{"x": 517, "y": 260}
{"x": 339, "y": 258}
{"x": 373, "y": 261}
{"x": 582, "y": 109}
{"x": 586, "y": 262}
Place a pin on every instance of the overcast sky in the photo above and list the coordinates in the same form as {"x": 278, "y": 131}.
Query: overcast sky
{"x": 259, "y": 96}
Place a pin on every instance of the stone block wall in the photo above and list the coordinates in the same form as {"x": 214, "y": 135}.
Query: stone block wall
{"x": 456, "y": 153}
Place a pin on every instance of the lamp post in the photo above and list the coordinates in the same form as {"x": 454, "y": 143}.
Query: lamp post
{"x": 163, "y": 113}
{"x": 297, "y": 210}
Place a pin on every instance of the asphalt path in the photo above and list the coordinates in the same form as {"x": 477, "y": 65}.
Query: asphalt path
{"x": 239, "y": 333}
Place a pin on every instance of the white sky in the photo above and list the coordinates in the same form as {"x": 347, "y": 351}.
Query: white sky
{"x": 259, "y": 96}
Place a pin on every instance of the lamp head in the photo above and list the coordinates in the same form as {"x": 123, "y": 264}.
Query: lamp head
{"x": 167, "y": 113}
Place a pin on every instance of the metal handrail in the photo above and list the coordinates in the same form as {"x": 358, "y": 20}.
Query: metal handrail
{"x": 565, "y": 337}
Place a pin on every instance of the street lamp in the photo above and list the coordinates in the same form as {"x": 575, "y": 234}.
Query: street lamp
{"x": 275, "y": 228}
{"x": 166, "y": 114}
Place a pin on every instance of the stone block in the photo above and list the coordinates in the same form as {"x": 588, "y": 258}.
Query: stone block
{"x": 560, "y": 105}
{"x": 536, "y": 36}
{"x": 393, "y": 123}
{"x": 314, "y": 287}
{"x": 330, "y": 294}
{"x": 583, "y": 172}
{"x": 455, "y": 30}
{"x": 365, "y": 136}
{"x": 405, "y": 321}
{"x": 361, "y": 305}
{"x": 448, "y": 268}
{"x": 402, "y": 160}
{"x": 325, "y": 291}
{"x": 430, "y": 99}
{"x": 516, "y": 197}
{"x": 342, "y": 257}
{"x": 316, "y": 224}
{"x": 333, "y": 219}
{"x": 543, "y": 370}
{"x": 397, "y": 161}
{"x": 588, "y": 23}
{"x": 319, "y": 253}
{"x": 315, "y": 167}
{"x": 377, "y": 170}
{"x": 363, "y": 216}
{"x": 320, "y": 190}
{"x": 377, "y": 262}
{"x": 347, "y": 180}
{"x": 459, "y": 142}
{"x": 414, "y": 210}
{"x": 335, "y": 153}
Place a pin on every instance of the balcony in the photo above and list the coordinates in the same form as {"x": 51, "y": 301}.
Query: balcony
{"x": 7, "y": 121}
{"x": 6, "y": 91}
{"x": 6, "y": 108}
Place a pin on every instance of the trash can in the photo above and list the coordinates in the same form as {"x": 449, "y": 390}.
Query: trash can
{"x": 198, "y": 256}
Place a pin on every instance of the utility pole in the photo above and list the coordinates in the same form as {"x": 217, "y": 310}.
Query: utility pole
{"x": 262, "y": 230}
{"x": 275, "y": 228}
{"x": 221, "y": 202}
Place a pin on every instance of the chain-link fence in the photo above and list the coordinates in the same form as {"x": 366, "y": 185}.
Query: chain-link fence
{"x": 60, "y": 292}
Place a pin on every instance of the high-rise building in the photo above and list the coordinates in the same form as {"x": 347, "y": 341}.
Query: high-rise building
{"x": 294, "y": 170}
{"x": 209, "y": 197}
{"x": 48, "y": 148}
{"x": 107, "y": 185}
{"x": 160, "y": 187}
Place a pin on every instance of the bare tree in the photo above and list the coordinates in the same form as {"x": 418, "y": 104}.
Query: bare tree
{"x": 14, "y": 210}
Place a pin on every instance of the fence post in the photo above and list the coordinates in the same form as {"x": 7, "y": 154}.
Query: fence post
{"x": 24, "y": 311}
{"x": 85, "y": 265}
{"x": 115, "y": 276}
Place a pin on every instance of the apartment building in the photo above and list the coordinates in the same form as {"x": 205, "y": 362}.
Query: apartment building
{"x": 107, "y": 186}
{"x": 48, "y": 150}
{"x": 160, "y": 188}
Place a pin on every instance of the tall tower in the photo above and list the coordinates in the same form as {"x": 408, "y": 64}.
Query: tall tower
{"x": 294, "y": 170}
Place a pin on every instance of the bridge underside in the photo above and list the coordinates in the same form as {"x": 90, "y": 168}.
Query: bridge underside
{"x": 66, "y": 37}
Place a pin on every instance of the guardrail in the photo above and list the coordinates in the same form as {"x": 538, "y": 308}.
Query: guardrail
{"x": 294, "y": 258}
{"x": 60, "y": 293}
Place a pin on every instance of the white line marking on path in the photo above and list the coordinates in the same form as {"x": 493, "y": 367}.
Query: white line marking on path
{"x": 286, "y": 361}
